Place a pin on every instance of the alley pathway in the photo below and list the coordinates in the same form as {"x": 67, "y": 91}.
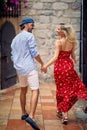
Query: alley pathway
{"x": 10, "y": 111}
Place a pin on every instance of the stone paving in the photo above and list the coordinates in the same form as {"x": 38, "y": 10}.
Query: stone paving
{"x": 10, "y": 111}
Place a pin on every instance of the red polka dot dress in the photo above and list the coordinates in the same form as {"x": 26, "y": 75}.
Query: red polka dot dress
{"x": 69, "y": 86}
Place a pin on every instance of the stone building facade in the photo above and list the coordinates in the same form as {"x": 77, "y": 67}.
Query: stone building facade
{"x": 47, "y": 15}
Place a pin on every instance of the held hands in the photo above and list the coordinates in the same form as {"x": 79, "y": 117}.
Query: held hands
{"x": 44, "y": 69}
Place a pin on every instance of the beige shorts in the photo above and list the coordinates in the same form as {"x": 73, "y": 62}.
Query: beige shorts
{"x": 30, "y": 80}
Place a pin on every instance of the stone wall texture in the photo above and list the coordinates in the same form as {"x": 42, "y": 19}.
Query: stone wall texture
{"x": 47, "y": 15}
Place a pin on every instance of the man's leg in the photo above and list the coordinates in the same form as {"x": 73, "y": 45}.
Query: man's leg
{"x": 23, "y": 99}
{"x": 24, "y": 86}
{"x": 33, "y": 102}
{"x": 34, "y": 85}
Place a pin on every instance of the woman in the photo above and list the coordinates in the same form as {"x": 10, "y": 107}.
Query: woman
{"x": 69, "y": 87}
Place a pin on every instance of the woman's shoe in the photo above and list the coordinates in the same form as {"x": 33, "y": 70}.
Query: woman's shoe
{"x": 59, "y": 114}
{"x": 65, "y": 121}
{"x": 85, "y": 110}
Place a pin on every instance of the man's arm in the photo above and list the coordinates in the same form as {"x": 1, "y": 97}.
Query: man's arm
{"x": 38, "y": 58}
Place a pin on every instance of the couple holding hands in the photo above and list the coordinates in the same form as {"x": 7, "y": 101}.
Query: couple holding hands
{"x": 69, "y": 87}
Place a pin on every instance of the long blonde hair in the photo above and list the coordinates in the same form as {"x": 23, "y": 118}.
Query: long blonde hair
{"x": 69, "y": 33}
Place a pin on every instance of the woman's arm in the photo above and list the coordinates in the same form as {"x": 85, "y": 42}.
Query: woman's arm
{"x": 56, "y": 53}
{"x": 73, "y": 55}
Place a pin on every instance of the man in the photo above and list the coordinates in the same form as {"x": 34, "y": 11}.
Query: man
{"x": 24, "y": 51}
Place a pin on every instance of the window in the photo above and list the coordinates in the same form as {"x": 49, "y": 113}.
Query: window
{"x": 10, "y": 8}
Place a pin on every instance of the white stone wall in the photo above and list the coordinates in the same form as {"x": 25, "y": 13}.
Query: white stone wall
{"x": 47, "y": 15}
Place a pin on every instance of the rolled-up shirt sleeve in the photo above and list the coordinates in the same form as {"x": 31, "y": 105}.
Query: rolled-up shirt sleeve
{"x": 33, "y": 46}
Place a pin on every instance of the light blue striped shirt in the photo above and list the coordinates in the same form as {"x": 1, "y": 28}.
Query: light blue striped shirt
{"x": 23, "y": 51}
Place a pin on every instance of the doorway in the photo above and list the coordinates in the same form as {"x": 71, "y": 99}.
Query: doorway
{"x": 8, "y": 73}
{"x": 85, "y": 42}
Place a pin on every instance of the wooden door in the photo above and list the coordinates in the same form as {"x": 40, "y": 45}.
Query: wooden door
{"x": 85, "y": 42}
{"x": 8, "y": 73}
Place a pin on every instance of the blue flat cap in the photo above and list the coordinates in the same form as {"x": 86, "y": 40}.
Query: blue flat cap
{"x": 26, "y": 20}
